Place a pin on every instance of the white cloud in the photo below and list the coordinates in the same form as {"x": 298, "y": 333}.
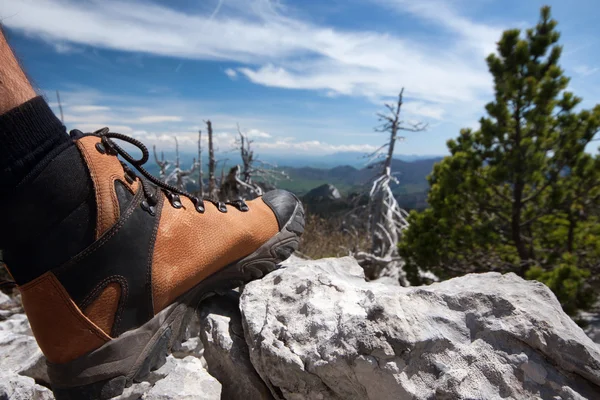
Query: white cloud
{"x": 84, "y": 109}
{"x": 64, "y": 48}
{"x": 478, "y": 36}
{"x": 231, "y": 73}
{"x": 585, "y": 70}
{"x": 313, "y": 147}
{"x": 139, "y": 117}
{"x": 421, "y": 109}
{"x": 153, "y": 119}
{"x": 279, "y": 50}
{"x": 255, "y": 133}
{"x": 226, "y": 141}
{"x": 92, "y": 127}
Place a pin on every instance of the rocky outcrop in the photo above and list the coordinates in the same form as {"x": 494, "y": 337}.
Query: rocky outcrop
{"x": 22, "y": 364}
{"x": 23, "y": 372}
{"x": 591, "y": 321}
{"x": 325, "y": 192}
{"x": 318, "y": 330}
{"x": 188, "y": 380}
{"x": 18, "y": 387}
{"x": 226, "y": 351}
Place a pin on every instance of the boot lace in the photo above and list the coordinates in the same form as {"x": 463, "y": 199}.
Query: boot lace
{"x": 108, "y": 145}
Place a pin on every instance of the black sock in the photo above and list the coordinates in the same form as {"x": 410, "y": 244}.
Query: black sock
{"x": 28, "y": 133}
{"x": 47, "y": 204}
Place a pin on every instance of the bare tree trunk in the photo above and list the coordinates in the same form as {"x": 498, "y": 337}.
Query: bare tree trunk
{"x": 162, "y": 164}
{"x": 200, "y": 174}
{"x": 222, "y": 173}
{"x": 62, "y": 117}
{"x": 178, "y": 177}
{"x": 253, "y": 168}
{"x": 212, "y": 184}
{"x": 386, "y": 219}
{"x": 387, "y": 165}
{"x": 247, "y": 156}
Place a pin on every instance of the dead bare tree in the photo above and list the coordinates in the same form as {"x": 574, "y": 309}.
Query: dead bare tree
{"x": 62, "y": 117}
{"x": 200, "y": 174}
{"x": 212, "y": 184}
{"x": 252, "y": 168}
{"x": 230, "y": 187}
{"x": 163, "y": 164}
{"x": 219, "y": 182}
{"x": 222, "y": 172}
{"x": 180, "y": 177}
{"x": 386, "y": 219}
{"x": 247, "y": 155}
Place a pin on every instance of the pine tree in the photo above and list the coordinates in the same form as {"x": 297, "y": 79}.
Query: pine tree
{"x": 520, "y": 193}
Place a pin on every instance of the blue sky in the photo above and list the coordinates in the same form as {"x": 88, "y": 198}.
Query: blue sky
{"x": 301, "y": 77}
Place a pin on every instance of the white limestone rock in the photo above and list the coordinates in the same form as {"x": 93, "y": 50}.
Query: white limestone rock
{"x": 318, "y": 330}
{"x": 187, "y": 381}
{"x": 226, "y": 352}
{"x": 191, "y": 344}
{"x": 20, "y": 354}
{"x": 592, "y": 319}
{"x": 16, "y": 323}
{"x": 17, "y": 387}
{"x": 9, "y": 305}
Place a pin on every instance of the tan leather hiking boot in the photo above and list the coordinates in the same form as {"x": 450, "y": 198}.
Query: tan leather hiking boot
{"x": 110, "y": 315}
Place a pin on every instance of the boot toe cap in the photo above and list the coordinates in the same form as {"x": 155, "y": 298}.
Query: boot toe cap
{"x": 283, "y": 204}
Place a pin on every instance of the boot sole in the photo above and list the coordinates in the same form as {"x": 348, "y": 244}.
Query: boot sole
{"x": 105, "y": 372}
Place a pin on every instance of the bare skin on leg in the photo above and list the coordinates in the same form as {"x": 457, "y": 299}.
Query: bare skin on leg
{"x": 15, "y": 88}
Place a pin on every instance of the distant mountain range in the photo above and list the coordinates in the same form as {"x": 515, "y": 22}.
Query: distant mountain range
{"x": 350, "y": 158}
{"x": 353, "y": 159}
{"x": 412, "y": 176}
{"x": 312, "y": 172}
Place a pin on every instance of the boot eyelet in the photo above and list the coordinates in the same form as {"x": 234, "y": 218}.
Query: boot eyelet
{"x": 198, "y": 204}
{"x": 147, "y": 207}
{"x": 100, "y": 148}
{"x": 175, "y": 200}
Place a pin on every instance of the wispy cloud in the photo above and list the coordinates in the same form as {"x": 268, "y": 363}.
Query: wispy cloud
{"x": 226, "y": 141}
{"x": 231, "y": 73}
{"x": 472, "y": 35}
{"x": 585, "y": 70}
{"x": 141, "y": 118}
{"x": 446, "y": 79}
{"x": 154, "y": 119}
{"x": 65, "y": 48}
{"x": 279, "y": 50}
{"x": 87, "y": 109}
{"x": 255, "y": 133}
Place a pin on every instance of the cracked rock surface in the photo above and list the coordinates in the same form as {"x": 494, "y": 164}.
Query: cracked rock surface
{"x": 23, "y": 371}
{"x": 317, "y": 330}
{"x": 226, "y": 351}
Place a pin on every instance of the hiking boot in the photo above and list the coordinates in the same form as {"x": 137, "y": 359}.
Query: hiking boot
{"x": 109, "y": 315}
